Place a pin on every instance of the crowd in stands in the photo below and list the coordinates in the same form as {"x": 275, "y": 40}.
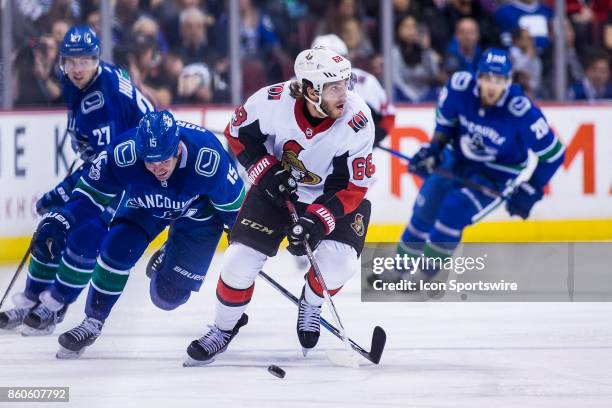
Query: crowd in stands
{"x": 177, "y": 50}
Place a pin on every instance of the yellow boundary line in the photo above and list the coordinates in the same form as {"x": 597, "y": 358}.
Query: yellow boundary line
{"x": 13, "y": 248}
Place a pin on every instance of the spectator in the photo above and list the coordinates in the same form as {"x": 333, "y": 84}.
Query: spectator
{"x": 260, "y": 45}
{"x": 194, "y": 45}
{"x": 464, "y": 51}
{"x": 59, "y": 29}
{"x": 148, "y": 26}
{"x": 94, "y": 20}
{"x": 574, "y": 66}
{"x": 168, "y": 14}
{"x": 528, "y": 14}
{"x": 443, "y": 23}
{"x": 195, "y": 84}
{"x": 415, "y": 68}
{"x": 359, "y": 45}
{"x": 607, "y": 35}
{"x": 258, "y": 35}
{"x": 596, "y": 82}
{"x": 525, "y": 60}
{"x": 38, "y": 75}
{"x": 145, "y": 68}
{"x": 126, "y": 13}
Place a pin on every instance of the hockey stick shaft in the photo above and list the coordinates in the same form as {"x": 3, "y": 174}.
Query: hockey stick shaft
{"x": 16, "y": 275}
{"x": 319, "y": 276}
{"x": 27, "y": 253}
{"x": 330, "y": 327}
{"x": 449, "y": 175}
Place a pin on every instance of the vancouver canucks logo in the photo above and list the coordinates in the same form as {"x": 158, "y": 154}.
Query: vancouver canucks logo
{"x": 292, "y": 163}
{"x": 474, "y": 148}
{"x": 357, "y": 225}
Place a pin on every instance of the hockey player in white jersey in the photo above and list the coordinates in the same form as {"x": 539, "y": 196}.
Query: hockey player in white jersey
{"x": 365, "y": 85}
{"x": 308, "y": 141}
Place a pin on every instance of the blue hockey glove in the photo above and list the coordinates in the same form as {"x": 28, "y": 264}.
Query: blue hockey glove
{"x": 50, "y": 237}
{"x": 426, "y": 160}
{"x": 523, "y": 199}
{"x": 55, "y": 198}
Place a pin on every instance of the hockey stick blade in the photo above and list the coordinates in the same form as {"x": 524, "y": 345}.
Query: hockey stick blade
{"x": 379, "y": 337}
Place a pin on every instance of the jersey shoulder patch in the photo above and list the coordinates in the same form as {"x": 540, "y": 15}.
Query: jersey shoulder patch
{"x": 358, "y": 121}
{"x": 207, "y": 162}
{"x": 125, "y": 153}
{"x": 519, "y": 105}
{"x": 275, "y": 91}
{"x": 460, "y": 81}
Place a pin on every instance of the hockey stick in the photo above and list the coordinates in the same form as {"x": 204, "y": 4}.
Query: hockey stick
{"x": 449, "y": 175}
{"x": 500, "y": 196}
{"x": 343, "y": 359}
{"x": 27, "y": 253}
{"x": 379, "y": 337}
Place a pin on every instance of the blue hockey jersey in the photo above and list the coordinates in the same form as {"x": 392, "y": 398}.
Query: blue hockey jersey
{"x": 205, "y": 181}
{"x": 109, "y": 106}
{"x": 534, "y": 18}
{"x": 497, "y": 139}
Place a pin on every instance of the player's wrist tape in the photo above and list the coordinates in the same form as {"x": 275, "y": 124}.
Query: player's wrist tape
{"x": 261, "y": 166}
{"x": 323, "y": 214}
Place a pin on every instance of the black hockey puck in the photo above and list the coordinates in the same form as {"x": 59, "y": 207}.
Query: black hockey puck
{"x": 276, "y": 371}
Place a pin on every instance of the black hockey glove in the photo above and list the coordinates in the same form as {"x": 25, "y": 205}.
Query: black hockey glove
{"x": 313, "y": 226}
{"x": 275, "y": 181}
{"x": 50, "y": 238}
{"x": 523, "y": 199}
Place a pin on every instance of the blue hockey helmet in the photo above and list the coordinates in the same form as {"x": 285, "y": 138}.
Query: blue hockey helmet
{"x": 495, "y": 61}
{"x": 80, "y": 41}
{"x": 157, "y": 137}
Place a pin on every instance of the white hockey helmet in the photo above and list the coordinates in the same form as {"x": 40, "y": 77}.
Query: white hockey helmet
{"x": 320, "y": 66}
{"x": 331, "y": 42}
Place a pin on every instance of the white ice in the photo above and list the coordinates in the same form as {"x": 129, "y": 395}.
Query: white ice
{"x": 437, "y": 354}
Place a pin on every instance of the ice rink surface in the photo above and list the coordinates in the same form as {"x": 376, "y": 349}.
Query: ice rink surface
{"x": 437, "y": 354}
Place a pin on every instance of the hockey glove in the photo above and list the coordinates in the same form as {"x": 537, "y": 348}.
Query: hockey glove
{"x": 426, "y": 160}
{"x": 50, "y": 237}
{"x": 523, "y": 199}
{"x": 275, "y": 181}
{"x": 55, "y": 198}
{"x": 313, "y": 226}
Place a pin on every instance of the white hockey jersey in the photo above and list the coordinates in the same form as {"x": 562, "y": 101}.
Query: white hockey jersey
{"x": 332, "y": 162}
{"x": 369, "y": 88}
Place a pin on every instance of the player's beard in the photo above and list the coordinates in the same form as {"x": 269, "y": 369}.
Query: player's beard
{"x": 331, "y": 111}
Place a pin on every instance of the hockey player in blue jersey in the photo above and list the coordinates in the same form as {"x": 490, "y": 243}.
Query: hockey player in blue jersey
{"x": 102, "y": 103}
{"x": 485, "y": 127}
{"x": 170, "y": 173}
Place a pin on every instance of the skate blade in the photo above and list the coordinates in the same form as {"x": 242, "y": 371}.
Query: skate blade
{"x": 65, "y": 354}
{"x": 190, "y": 362}
{"x": 342, "y": 358}
{"x": 28, "y": 331}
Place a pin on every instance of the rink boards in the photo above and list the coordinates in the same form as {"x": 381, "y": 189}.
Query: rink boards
{"x": 577, "y": 205}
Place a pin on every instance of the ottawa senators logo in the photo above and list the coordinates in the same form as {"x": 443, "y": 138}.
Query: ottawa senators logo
{"x": 291, "y": 162}
{"x": 358, "y": 122}
{"x": 275, "y": 91}
{"x": 357, "y": 225}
